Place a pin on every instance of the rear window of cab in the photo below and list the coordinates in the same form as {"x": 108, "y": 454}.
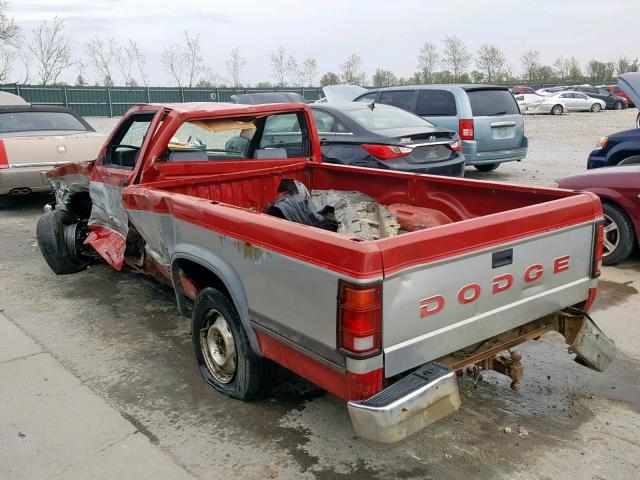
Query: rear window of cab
{"x": 491, "y": 103}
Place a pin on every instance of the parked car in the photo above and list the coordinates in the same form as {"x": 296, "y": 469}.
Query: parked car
{"x": 550, "y": 90}
{"x": 539, "y": 104}
{"x": 383, "y": 323}
{"x": 33, "y": 139}
{"x": 487, "y": 118}
{"x": 616, "y": 90}
{"x": 374, "y": 136}
{"x": 621, "y": 148}
{"x": 612, "y": 102}
{"x": 618, "y": 189}
{"x": 578, "y": 101}
{"x": 520, "y": 90}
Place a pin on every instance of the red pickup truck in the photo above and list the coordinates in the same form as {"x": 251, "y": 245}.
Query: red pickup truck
{"x": 181, "y": 192}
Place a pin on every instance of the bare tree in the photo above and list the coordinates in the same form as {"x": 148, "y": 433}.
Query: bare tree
{"x": 575, "y": 72}
{"x": 51, "y": 49}
{"x": 24, "y": 57}
{"x": 7, "y": 59}
{"x": 9, "y": 31}
{"x": 81, "y": 79}
{"x": 296, "y": 72}
{"x": 194, "y": 59}
{"x": 209, "y": 79}
{"x": 492, "y": 62}
{"x": 139, "y": 60}
{"x": 235, "y": 63}
{"x": 124, "y": 62}
{"x": 351, "y": 71}
{"x": 427, "y": 62}
{"x": 174, "y": 63}
{"x": 101, "y": 55}
{"x": 310, "y": 69}
{"x": 455, "y": 56}
{"x": 384, "y": 78}
{"x": 530, "y": 61}
{"x": 562, "y": 67}
{"x": 279, "y": 66}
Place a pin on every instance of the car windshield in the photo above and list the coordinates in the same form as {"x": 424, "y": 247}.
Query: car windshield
{"x": 35, "y": 121}
{"x": 382, "y": 117}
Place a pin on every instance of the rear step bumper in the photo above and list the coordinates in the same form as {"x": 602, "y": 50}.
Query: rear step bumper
{"x": 419, "y": 399}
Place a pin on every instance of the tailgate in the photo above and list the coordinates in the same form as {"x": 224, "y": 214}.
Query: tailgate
{"x": 497, "y": 120}
{"x": 442, "y": 306}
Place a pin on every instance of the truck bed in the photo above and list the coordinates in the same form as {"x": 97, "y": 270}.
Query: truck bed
{"x": 535, "y": 227}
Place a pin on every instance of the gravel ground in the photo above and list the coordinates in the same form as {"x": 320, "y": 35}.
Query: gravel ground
{"x": 119, "y": 333}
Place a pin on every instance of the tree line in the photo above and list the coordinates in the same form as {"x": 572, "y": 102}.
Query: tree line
{"x": 46, "y": 52}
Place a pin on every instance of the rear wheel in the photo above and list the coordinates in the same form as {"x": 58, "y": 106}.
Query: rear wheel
{"x": 618, "y": 234}
{"x": 60, "y": 237}
{"x": 487, "y": 167}
{"x": 557, "y": 110}
{"x": 618, "y": 105}
{"x": 225, "y": 358}
{"x": 596, "y": 107}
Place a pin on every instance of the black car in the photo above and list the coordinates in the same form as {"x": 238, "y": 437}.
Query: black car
{"x": 372, "y": 135}
{"x": 613, "y": 102}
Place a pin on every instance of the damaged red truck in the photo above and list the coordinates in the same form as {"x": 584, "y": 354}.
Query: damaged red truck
{"x": 182, "y": 192}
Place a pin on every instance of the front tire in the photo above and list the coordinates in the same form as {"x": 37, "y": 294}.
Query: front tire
{"x": 596, "y": 107}
{"x": 223, "y": 352}
{"x": 619, "y": 236}
{"x": 557, "y": 110}
{"x": 487, "y": 167}
{"x": 618, "y": 106}
{"x": 51, "y": 233}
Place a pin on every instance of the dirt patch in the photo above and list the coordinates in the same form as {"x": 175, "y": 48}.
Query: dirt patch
{"x": 612, "y": 293}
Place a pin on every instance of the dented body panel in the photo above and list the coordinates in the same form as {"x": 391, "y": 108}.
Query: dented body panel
{"x": 511, "y": 256}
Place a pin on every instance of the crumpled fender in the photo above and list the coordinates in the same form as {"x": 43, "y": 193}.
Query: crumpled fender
{"x": 69, "y": 179}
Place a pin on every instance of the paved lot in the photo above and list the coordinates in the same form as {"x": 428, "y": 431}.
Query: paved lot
{"x": 87, "y": 360}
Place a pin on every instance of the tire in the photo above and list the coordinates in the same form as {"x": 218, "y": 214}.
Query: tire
{"x": 358, "y": 214}
{"x": 619, "y": 235}
{"x": 618, "y": 106}
{"x": 216, "y": 330}
{"x": 632, "y": 160}
{"x": 638, "y": 120}
{"x": 557, "y": 110}
{"x": 487, "y": 167}
{"x": 596, "y": 107}
{"x": 50, "y": 233}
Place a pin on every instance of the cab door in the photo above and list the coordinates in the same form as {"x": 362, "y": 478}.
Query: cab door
{"x": 116, "y": 168}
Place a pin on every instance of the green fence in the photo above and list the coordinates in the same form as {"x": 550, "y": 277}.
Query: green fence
{"x": 114, "y": 101}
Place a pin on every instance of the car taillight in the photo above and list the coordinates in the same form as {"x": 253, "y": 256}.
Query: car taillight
{"x": 387, "y": 152}
{"x": 456, "y": 146}
{"x": 359, "y": 319}
{"x": 466, "y": 129}
{"x": 598, "y": 250}
{"x": 4, "y": 161}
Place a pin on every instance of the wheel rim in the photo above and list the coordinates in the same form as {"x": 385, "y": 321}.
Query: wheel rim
{"x": 218, "y": 347}
{"x": 557, "y": 110}
{"x": 618, "y": 106}
{"x": 596, "y": 107}
{"x": 611, "y": 236}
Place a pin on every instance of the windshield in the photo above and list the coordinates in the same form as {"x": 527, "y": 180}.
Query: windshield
{"x": 488, "y": 103}
{"x": 35, "y": 121}
{"x": 383, "y": 117}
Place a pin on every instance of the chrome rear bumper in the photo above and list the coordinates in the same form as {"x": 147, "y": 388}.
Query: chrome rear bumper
{"x": 419, "y": 399}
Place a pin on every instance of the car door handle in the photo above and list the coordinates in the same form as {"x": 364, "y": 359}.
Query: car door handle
{"x": 323, "y": 141}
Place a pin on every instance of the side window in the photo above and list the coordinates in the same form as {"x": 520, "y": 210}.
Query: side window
{"x": 565, "y": 95}
{"x": 283, "y": 137}
{"x": 520, "y": 98}
{"x": 404, "y": 99}
{"x": 124, "y": 149}
{"x": 436, "y": 103}
{"x": 327, "y": 123}
{"x": 368, "y": 98}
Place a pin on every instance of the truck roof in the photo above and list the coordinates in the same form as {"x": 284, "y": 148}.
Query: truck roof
{"x": 199, "y": 109}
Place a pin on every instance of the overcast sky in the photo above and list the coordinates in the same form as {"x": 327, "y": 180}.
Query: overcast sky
{"x": 384, "y": 33}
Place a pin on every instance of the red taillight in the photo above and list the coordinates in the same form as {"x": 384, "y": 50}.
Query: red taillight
{"x": 4, "y": 161}
{"x": 456, "y": 146}
{"x": 591, "y": 298}
{"x": 359, "y": 319}
{"x": 387, "y": 152}
{"x": 466, "y": 129}
{"x": 598, "y": 250}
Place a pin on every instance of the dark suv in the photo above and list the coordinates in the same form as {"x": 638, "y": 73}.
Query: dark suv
{"x": 614, "y": 102}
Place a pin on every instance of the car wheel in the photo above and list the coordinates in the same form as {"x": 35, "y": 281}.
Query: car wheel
{"x": 557, "y": 110}
{"x": 638, "y": 120}
{"x": 618, "y": 234}
{"x": 632, "y": 160}
{"x": 225, "y": 358}
{"x": 58, "y": 235}
{"x": 618, "y": 106}
{"x": 596, "y": 107}
{"x": 487, "y": 167}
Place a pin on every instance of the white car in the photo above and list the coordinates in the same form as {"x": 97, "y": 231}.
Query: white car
{"x": 577, "y": 101}
{"x": 538, "y": 104}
